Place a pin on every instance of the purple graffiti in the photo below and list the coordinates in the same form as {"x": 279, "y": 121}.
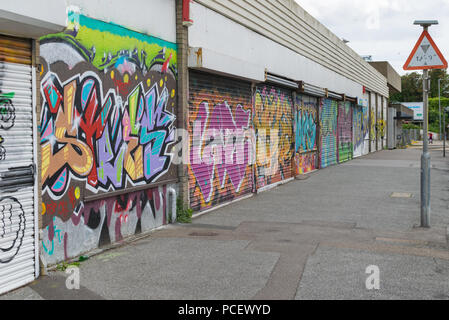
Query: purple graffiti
{"x": 218, "y": 143}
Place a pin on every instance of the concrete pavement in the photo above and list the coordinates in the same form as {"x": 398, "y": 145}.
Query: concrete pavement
{"x": 308, "y": 239}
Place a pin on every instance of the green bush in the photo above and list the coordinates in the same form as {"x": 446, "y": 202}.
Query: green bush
{"x": 183, "y": 214}
{"x": 410, "y": 126}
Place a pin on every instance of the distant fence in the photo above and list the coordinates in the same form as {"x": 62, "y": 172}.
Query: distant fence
{"x": 409, "y": 135}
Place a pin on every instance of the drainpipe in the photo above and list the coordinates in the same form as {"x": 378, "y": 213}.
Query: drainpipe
{"x": 172, "y": 192}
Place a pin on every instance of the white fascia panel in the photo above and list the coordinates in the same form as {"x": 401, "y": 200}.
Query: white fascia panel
{"x": 209, "y": 60}
{"x": 219, "y": 34}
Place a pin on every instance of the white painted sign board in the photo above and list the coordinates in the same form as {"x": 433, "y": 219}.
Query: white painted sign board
{"x": 418, "y": 109}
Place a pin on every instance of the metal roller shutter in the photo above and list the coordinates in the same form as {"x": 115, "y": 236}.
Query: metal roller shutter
{"x": 17, "y": 169}
{"x": 224, "y": 105}
{"x": 306, "y": 134}
{"x": 378, "y": 123}
{"x": 385, "y": 122}
{"x": 357, "y": 131}
{"x": 273, "y": 124}
{"x": 372, "y": 121}
{"x": 328, "y": 132}
{"x": 365, "y": 110}
{"x": 344, "y": 124}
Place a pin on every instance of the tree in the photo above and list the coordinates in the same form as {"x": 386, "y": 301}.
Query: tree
{"x": 412, "y": 91}
{"x": 412, "y": 86}
{"x": 436, "y": 74}
{"x": 434, "y": 113}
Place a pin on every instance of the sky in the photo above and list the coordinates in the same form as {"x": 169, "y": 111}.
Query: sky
{"x": 383, "y": 29}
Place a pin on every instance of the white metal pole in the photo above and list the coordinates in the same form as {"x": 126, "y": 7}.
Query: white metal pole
{"x": 425, "y": 159}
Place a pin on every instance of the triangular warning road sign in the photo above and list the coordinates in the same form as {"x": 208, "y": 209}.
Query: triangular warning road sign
{"x": 425, "y": 55}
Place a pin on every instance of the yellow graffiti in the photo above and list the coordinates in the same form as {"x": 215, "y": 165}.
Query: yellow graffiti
{"x": 372, "y": 132}
{"x": 381, "y": 127}
{"x": 134, "y": 168}
{"x": 74, "y": 151}
{"x": 77, "y": 192}
{"x": 273, "y": 122}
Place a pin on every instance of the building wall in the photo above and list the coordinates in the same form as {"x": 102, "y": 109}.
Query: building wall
{"x": 299, "y": 46}
{"x": 155, "y": 17}
{"x": 107, "y": 125}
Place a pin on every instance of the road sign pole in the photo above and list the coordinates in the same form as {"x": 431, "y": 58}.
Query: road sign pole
{"x": 425, "y": 158}
{"x": 425, "y": 55}
{"x": 439, "y": 105}
{"x": 444, "y": 134}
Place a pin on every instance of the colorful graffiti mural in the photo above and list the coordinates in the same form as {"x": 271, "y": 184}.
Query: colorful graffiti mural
{"x": 102, "y": 222}
{"x": 345, "y": 145}
{"x": 328, "y": 132}
{"x": 305, "y": 125}
{"x": 107, "y": 124}
{"x": 87, "y": 136}
{"x": 273, "y": 125}
{"x": 372, "y": 122}
{"x": 220, "y": 166}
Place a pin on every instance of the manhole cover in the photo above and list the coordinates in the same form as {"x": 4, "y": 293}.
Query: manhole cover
{"x": 401, "y": 195}
{"x": 203, "y": 234}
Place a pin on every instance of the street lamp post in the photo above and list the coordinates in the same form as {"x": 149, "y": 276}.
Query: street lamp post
{"x": 444, "y": 135}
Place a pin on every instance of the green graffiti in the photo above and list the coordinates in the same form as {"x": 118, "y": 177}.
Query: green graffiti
{"x": 102, "y": 44}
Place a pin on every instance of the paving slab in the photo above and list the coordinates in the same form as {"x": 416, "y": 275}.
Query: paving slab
{"x": 340, "y": 274}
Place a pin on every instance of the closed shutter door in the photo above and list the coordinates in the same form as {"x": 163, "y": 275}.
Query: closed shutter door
{"x": 384, "y": 123}
{"x": 219, "y": 106}
{"x": 17, "y": 219}
{"x": 328, "y": 133}
{"x": 378, "y": 123}
{"x": 357, "y": 131}
{"x": 373, "y": 120}
{"x": 306, "y": 134}
{"x": 365, "y": 111}
{"x": 344, "y": 124}
{"x": 273, "y": 124}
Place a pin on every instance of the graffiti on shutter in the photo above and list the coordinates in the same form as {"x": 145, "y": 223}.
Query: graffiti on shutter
{"x": 107, "y": 125}
{"x": 273, "y": 125}
{"x": 344, "y": 123}
{"x": 360, "y": 130}
{"x": 306, "y": 125}
{"x": 379, "y": 122}
{"x": 365, "y": 124}
{"x": 372, "y": 120}
{"x": 328, "y": 132}
{"x": 221, "y": 151}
